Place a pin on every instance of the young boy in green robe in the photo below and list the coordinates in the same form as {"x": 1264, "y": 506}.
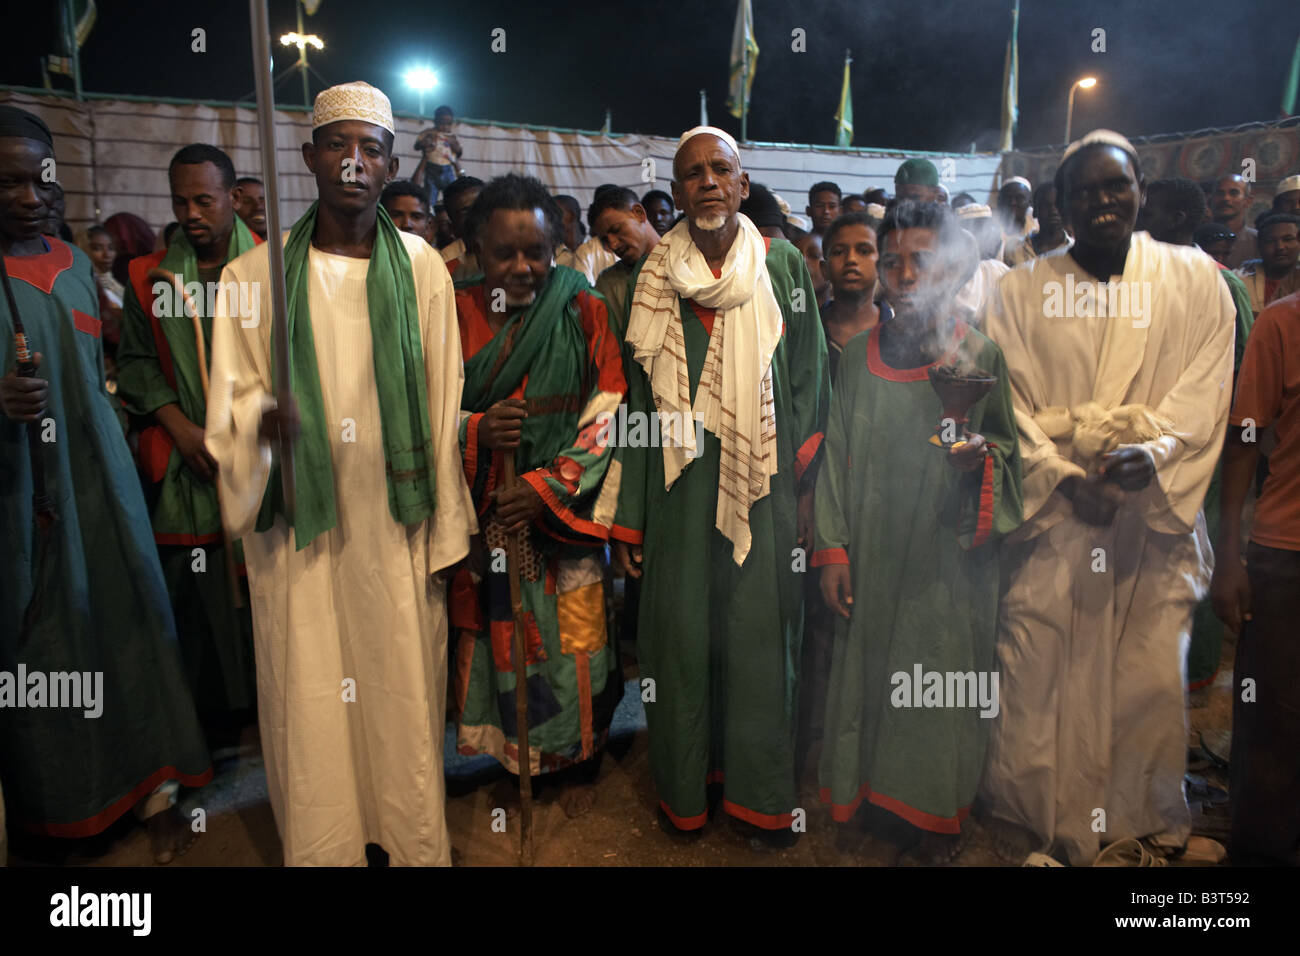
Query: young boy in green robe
{"x": 906, "y": 537}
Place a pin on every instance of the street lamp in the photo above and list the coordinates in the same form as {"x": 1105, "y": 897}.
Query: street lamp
{"x": 1087, "y": 83}
{"x": 302, "y": 40}
{"x": 421, "y": 79}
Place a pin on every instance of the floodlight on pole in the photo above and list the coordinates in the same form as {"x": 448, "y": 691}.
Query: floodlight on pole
{"x": 1087, "y": 83}
{"x": 421, "y": 79}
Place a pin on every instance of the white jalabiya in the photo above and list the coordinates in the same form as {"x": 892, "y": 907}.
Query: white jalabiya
{"x": 591, "y": 259}
{"x": 976, "y": 292}
{"x": 1095, "y": 622}
{"x": 734, "y": 397}
{"x": 360, "y": 603}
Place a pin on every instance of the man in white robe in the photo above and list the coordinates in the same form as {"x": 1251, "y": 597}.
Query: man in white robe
{"x": 1121, "y": 395}
{"x": 351, "y": 628}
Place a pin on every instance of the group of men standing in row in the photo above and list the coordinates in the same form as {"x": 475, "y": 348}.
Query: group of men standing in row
{"x": 410, "y": 396}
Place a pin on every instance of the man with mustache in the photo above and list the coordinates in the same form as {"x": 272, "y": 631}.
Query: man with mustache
{"x": 1228, "y": 206}
{"x": 543, "y": 366}
{"x": 349, "y": 614}
{"x": 1122, "y": 399}
{"x": 723, "y": 330}
{"x": 159, "y": 381}
{"x": 1049, "y": 235}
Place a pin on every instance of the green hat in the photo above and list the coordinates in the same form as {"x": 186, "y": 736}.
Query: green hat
{"x": 917, "y": 172}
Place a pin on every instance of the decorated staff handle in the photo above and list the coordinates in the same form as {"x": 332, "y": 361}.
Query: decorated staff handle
{"x": 42, "y": 505}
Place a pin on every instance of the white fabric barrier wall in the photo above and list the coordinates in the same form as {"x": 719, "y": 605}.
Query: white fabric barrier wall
{"x": 112, "y": 157}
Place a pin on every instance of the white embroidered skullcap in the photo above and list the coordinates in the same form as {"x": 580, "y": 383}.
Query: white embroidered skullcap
{"x": 722, "y": 134}
{"x": 875, "y": 210}
{"x": 974, "y": 210}
{"x": 353, "y": 101}
{"x": 1290, "y": 184}
{"x": 1019, "y": 179}
{"x": 1100, "y": 137}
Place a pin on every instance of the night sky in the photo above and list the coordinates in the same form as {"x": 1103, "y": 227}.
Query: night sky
{"x": 926, "y": 73}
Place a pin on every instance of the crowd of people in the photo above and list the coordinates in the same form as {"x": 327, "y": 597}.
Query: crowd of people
{"x": 956, "y": 494}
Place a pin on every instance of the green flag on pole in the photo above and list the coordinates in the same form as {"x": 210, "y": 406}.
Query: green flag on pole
{"x": 844, "y": 115}
{"x": 1292, "y": 82}
{"x": 1011, "y": 83}
{"x": 744, "y": 56}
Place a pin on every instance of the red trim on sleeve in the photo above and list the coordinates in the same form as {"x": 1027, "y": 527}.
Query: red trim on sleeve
{"x": 807, "y": 452}
{"x": 537, "y": 480}
{"x": 984, "y": 524}
{"x": 86, "y": 323}
{"x": 602, "y": 347}
{"x": 471, "y": 447}
{"x": 626, "y": 535}
{"x": 826, "y": 556}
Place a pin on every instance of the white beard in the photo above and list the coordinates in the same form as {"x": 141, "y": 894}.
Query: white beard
{"x": 519, "y": 301}
{"x": 710, "y": 223}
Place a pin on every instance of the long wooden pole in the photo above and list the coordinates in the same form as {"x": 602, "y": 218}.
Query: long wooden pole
{"x": 525, "y": 761}
{"x": 275, "y": 248}
{"x": 200, "y": 348}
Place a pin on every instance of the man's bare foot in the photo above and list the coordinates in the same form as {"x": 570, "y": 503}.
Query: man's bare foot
{"x": 170, "y": 835}
{"x": 577, "y": 799}
{"x": 505, "y": 794}
{"x": 940, "y": 849}
{"x": 1012, "y": 843}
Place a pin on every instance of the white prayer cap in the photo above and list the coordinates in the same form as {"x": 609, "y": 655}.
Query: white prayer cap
{"x": 974, "y": 210}
{"x": 1019, "y": 179}
{"x": 722, "y": 134}
{"x": 875, "y": 210}
{"x": 1290, "y": 184}
{"x": 353, "y": 101}
{"x": 1100, "y": 137}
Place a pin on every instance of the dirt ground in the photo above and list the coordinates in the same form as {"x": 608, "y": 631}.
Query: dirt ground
{"x": 621, "y": 830}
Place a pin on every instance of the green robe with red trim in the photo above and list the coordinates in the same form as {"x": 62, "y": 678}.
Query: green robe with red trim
{"x": 158, "y": 365}
{"x": 104, "y": 607}
{"x": 921, "y": 542}
{"x": 720, "y": 644}
{"x": 574, "y": 680}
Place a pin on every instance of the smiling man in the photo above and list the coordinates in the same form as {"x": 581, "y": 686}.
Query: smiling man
{"x": 542, "y": 364}
{"x": 1121, "y": 403}
{"x": 159, "y": 380}
{"x": 350, "y": 624}
{"x": 250, "y": 204}
{"x": 723, "y": 331}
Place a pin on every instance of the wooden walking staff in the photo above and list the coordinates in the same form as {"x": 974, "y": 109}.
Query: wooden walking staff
{"x": 275, "y": 247}
{"x": 42, "y": 506}
{"x": 521, "y": 680}
{"x": 166, "y": 275}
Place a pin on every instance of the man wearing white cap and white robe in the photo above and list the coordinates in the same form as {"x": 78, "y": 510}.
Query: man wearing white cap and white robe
{"x": 977, "y": 220}
{"x": 1121, "y": 392}
{"x": 349, "y": 612}
{"x": 723, "y": 330}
